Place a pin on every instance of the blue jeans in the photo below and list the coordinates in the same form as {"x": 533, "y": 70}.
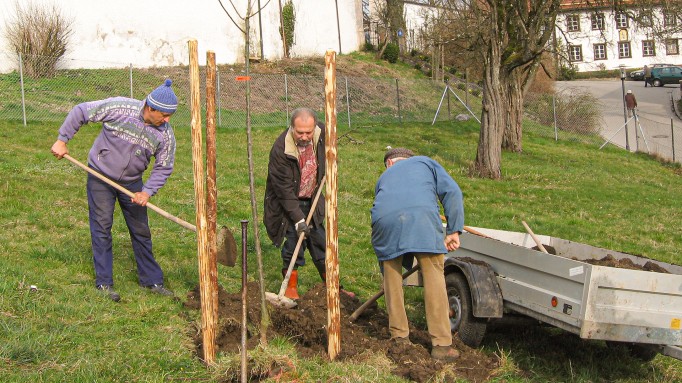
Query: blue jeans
{"x": 316, "y": 243}
{"x": 101, "y": 202}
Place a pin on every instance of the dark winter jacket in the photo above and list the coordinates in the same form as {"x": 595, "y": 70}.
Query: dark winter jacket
{"x": 281, "y": 205}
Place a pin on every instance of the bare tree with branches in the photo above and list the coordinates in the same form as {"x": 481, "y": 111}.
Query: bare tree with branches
{"x": 265, "y": 317}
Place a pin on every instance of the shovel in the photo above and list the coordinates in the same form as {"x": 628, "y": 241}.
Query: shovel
{"x": 376, "y": 296}
{"x": 226, "y": 249}
{"x": 280, "y": 300}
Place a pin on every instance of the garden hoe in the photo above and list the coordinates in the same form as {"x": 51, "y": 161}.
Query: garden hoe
{"x": 226, "y": 247}
{"x": 280, "y": 300}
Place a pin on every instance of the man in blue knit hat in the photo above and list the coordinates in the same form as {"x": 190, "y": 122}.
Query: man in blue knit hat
{"x": 133, "y": 131}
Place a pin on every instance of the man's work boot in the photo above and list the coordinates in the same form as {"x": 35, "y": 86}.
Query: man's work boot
{"x": 445, "y": 354}
{"x": 292, "y": 287}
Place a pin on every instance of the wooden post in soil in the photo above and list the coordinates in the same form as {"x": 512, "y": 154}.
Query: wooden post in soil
{"x": 211, "y": 187}
{"x": 332, "y": 257}
{"x": 208, "y": 319}
{"x": 244, "y": 375}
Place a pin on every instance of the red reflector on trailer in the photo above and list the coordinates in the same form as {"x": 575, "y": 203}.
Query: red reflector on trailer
{"x": 555, "y": 301}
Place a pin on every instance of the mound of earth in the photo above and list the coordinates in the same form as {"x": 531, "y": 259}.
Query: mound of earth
{"x": 611, "y": 261}
{"x": 306, "y": 324}
{"x": 626, "y": 263}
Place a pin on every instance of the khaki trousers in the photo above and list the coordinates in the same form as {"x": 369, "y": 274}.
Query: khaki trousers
{"x": 435, "y": 298}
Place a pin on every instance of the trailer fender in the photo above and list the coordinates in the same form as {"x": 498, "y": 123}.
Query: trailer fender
{"x": 486, "y": 295}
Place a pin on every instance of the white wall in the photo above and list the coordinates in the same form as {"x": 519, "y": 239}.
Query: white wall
{"x": 155, "y": 33}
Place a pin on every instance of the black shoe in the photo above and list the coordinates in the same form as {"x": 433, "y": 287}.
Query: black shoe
{"x": 159, "y": 289}
{"x": 109, "y": 292}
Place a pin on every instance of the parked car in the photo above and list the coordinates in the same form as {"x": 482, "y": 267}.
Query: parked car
{"x": 638, "y": 75}
{"x": 666, "y": 75}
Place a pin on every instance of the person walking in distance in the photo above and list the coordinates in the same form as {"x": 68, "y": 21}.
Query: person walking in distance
{"x": 295, "y": 171}
{"x": 630, "y": 103}
{"x": 647, "y": 76}
{"x": 133, "y": 131}
{"x": 406, "y": 224}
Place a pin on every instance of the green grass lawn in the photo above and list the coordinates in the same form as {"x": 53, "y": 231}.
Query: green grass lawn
{"x": 65, "y": 332}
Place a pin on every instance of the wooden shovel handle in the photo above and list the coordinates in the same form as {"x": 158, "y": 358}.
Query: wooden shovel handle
{"x": 301, "y": 236}
{"x": 535, "y": 237}
{"x": 376, "y": 296}
{"x": 120, "y": 188}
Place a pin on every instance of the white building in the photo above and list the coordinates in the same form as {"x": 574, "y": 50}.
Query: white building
{"x": 155, "y": 33}
{"x": 601, "y": 38}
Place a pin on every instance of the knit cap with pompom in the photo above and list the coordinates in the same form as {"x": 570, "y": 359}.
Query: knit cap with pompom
{"x": 163, "y": 99}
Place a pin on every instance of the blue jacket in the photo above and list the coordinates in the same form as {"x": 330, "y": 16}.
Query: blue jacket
{"x": 126, "y": 144}
{"x": 406, "y": 211}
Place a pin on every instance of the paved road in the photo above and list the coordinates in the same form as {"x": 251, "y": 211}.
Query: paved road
{"x": 654, "y": 112}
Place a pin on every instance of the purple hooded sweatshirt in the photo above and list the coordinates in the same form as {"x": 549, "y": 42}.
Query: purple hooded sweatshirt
{"x": 126, "y": 144}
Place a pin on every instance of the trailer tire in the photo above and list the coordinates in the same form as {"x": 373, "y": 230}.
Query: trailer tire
{"x": 468, "y": 328}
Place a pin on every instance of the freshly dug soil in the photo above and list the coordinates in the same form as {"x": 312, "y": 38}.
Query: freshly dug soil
{"x": 625, "y": 263}
{"x": 306, "y": 324}
{"x": 611, "y": 261}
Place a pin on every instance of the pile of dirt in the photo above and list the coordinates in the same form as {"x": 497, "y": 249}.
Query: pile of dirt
{"x": 611, "y": 261}
{"x": 625, "y": 263}
{"x": 306, "y": 324}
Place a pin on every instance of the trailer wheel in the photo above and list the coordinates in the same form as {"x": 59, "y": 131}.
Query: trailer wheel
{"x": 470, "y": 329}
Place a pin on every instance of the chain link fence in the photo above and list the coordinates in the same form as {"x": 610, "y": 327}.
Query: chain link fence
{"x": 567, "y": 115}
{"x": 359, "y": 101}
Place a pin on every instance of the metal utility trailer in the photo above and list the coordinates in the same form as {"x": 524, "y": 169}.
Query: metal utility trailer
{"x": 503, "y": 275}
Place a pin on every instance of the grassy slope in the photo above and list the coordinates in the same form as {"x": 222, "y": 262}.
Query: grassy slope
{"x": 65, "y": 332}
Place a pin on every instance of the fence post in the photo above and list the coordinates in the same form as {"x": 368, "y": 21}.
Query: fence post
{"x": 286, "y": 97}
{"x": 130, "y": 76}
{"x": 397, "y": 94}
{"x": 466, "y": 86}
{"x": 672, "y": 137}
{"x": 217, "y": 73}
{"x": 347, "y": 101}
{"x": 21, "y": 80}
{"x": 447, "y": 87}
{"x": 556, "y": 130}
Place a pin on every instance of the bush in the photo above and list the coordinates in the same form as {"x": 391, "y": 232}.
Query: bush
{"x": 288, "y": 22}
{"x": 368, "y": 47}
{"x": 567, "y": 73}
{"x": 391, "y": 53}
{"x": 40, "y": 34}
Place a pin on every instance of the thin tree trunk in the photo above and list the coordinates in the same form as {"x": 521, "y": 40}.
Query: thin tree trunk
{"x": 265, "y": 314}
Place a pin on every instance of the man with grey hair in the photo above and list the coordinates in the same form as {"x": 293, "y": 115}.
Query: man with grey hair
{"x": 295, "y": 171}
{"x": 406, "y": 224}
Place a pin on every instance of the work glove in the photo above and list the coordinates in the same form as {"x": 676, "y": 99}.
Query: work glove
{"x": 302, "y": 227}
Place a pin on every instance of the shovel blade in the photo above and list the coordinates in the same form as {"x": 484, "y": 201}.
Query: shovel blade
{"x": 226, "y": 248}
{"x": 280, "y": 301}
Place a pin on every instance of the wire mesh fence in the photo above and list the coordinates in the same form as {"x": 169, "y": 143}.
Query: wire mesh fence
{"x": 271, "y": 96}
{"x": 359, "y": 101}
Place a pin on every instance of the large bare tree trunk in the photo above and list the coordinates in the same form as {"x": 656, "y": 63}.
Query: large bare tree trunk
{"x": 493, "y": 117}
{"x": 513, "y": 130}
